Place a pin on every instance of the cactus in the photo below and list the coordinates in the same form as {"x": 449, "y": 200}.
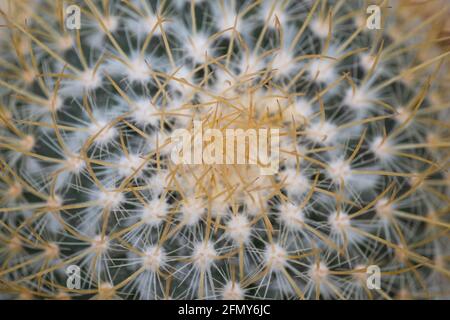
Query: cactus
{"x": 87, "y": 182}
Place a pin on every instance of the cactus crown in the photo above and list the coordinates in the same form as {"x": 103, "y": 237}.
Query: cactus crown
{"x": 86, "y": 118}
